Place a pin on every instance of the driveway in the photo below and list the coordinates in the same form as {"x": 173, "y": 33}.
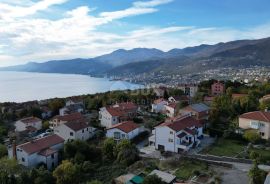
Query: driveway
{"x": 205, "y": 142}
{"x": 150, "y": 152}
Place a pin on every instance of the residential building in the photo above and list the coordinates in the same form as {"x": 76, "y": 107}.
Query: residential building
{"x": 30, "y": 123}
{"x": 40, "y": 151}
{"x": 58, "y": 120}
{"x": 217, "y": 88}
{"x": 117, "y": 113}
{"x": 74, "y": 131}
{"x": 189, "y": 89}
{"x": 258, "y": 120}
{"x": 72, "y": 106}
{"x": 265, "y": 98}
{"x": 123, "y": 130}
{"x": 171, "y": 109}
{"x": 159, "y": 105}
{"x": 199, "y": 111}
{"x": 177, "y": 135}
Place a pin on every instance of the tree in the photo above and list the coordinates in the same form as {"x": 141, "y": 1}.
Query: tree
{"x": 66, "y": 173}
{"x": 41, "y": 176}
{"x": 108, "y": 148}
{"x": 8, "y": 169}
{"x": 55, "y": 105}
{"x": 94, "y": 182}
{"x": 251, "y": 136}
{"x": 3, "y": 150}
{"x": 256, "y": 175}
{"x": 81, "y": 151}
{"x": 45, "y": 125}
{"x": 126, "y": 152}
{"x": 152, "y": 179}
{"x": 256, "y": 157}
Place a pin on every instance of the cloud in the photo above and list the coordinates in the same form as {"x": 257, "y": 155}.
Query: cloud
{"x": 77, "y": 33}
{"x": 12, "y": 11}
{"x": 152, "y": 3}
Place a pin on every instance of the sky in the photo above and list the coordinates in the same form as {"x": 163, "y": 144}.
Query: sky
{"x": 42, "y": 30}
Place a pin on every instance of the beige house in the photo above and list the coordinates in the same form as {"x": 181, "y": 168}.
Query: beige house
{"x": 257, "y": 120}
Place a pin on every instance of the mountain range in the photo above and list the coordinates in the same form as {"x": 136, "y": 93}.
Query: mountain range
{"x": 240, "y": 53}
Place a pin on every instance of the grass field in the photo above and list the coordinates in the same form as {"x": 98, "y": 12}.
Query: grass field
{"x": 187, "y": 168}
{"x": 225, "y": 147}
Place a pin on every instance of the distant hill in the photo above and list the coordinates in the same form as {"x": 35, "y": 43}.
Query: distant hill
{"x": 241, "y": 53}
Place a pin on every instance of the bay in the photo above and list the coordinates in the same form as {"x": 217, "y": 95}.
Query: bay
{"x": 26, "y": 86}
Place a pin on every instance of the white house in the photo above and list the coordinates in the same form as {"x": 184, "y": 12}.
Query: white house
{"x": 117, "y": 113}
{"x": 171, "y": 109}
{"x": 124, "y": 130}
{"x": 159, "y": 105}
{"x": 177, "y": 135}
{"x": 74, "y": 131}
{"x": 40, "y": 151}
{"x": 28, "y": 123}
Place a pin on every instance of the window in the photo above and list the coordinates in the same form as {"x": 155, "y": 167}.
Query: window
{"x": 83, "y": 131}
{"x": 116, "y": 135}
{"x": 87, "y": 129}
{"x": 23, "y": 160}
{"x": 71, "y": 133}
{"x": 261, "y": 133}
{"x": 170, "y": 140}
{"x": 171, "y": 132}
{"x": 52, "y": 156}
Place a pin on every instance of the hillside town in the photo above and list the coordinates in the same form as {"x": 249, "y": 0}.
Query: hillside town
{"x": 211, "y": 132}
{"x": 247, "y": 74}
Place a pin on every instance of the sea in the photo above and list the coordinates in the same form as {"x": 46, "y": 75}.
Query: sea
{"x": 28, "y": 86}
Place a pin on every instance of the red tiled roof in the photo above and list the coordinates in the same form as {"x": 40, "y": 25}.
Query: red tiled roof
{"x": 257, "y": 115}
{"x": 121, "y": 109}
{"x": 71, "y": 117}
{"x": 41, "y": 144}
{"x": 182, "y": 123}
{"x": 115, "y": 111}
{"x": 172, "y": 105}
{"x": 47, "y": 152}
{"x": 30, "y": 120}
{"x": 76, "y": 126}
{"x": 126, "y": 127}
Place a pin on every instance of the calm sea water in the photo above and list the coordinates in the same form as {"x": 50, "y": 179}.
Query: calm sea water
{"x": 24, "y": 86}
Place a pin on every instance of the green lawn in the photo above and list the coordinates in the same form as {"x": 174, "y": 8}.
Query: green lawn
{"x": 265, "y": 154}
{"x": 185, "y": 171}
{"x": 225, "y": 147}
